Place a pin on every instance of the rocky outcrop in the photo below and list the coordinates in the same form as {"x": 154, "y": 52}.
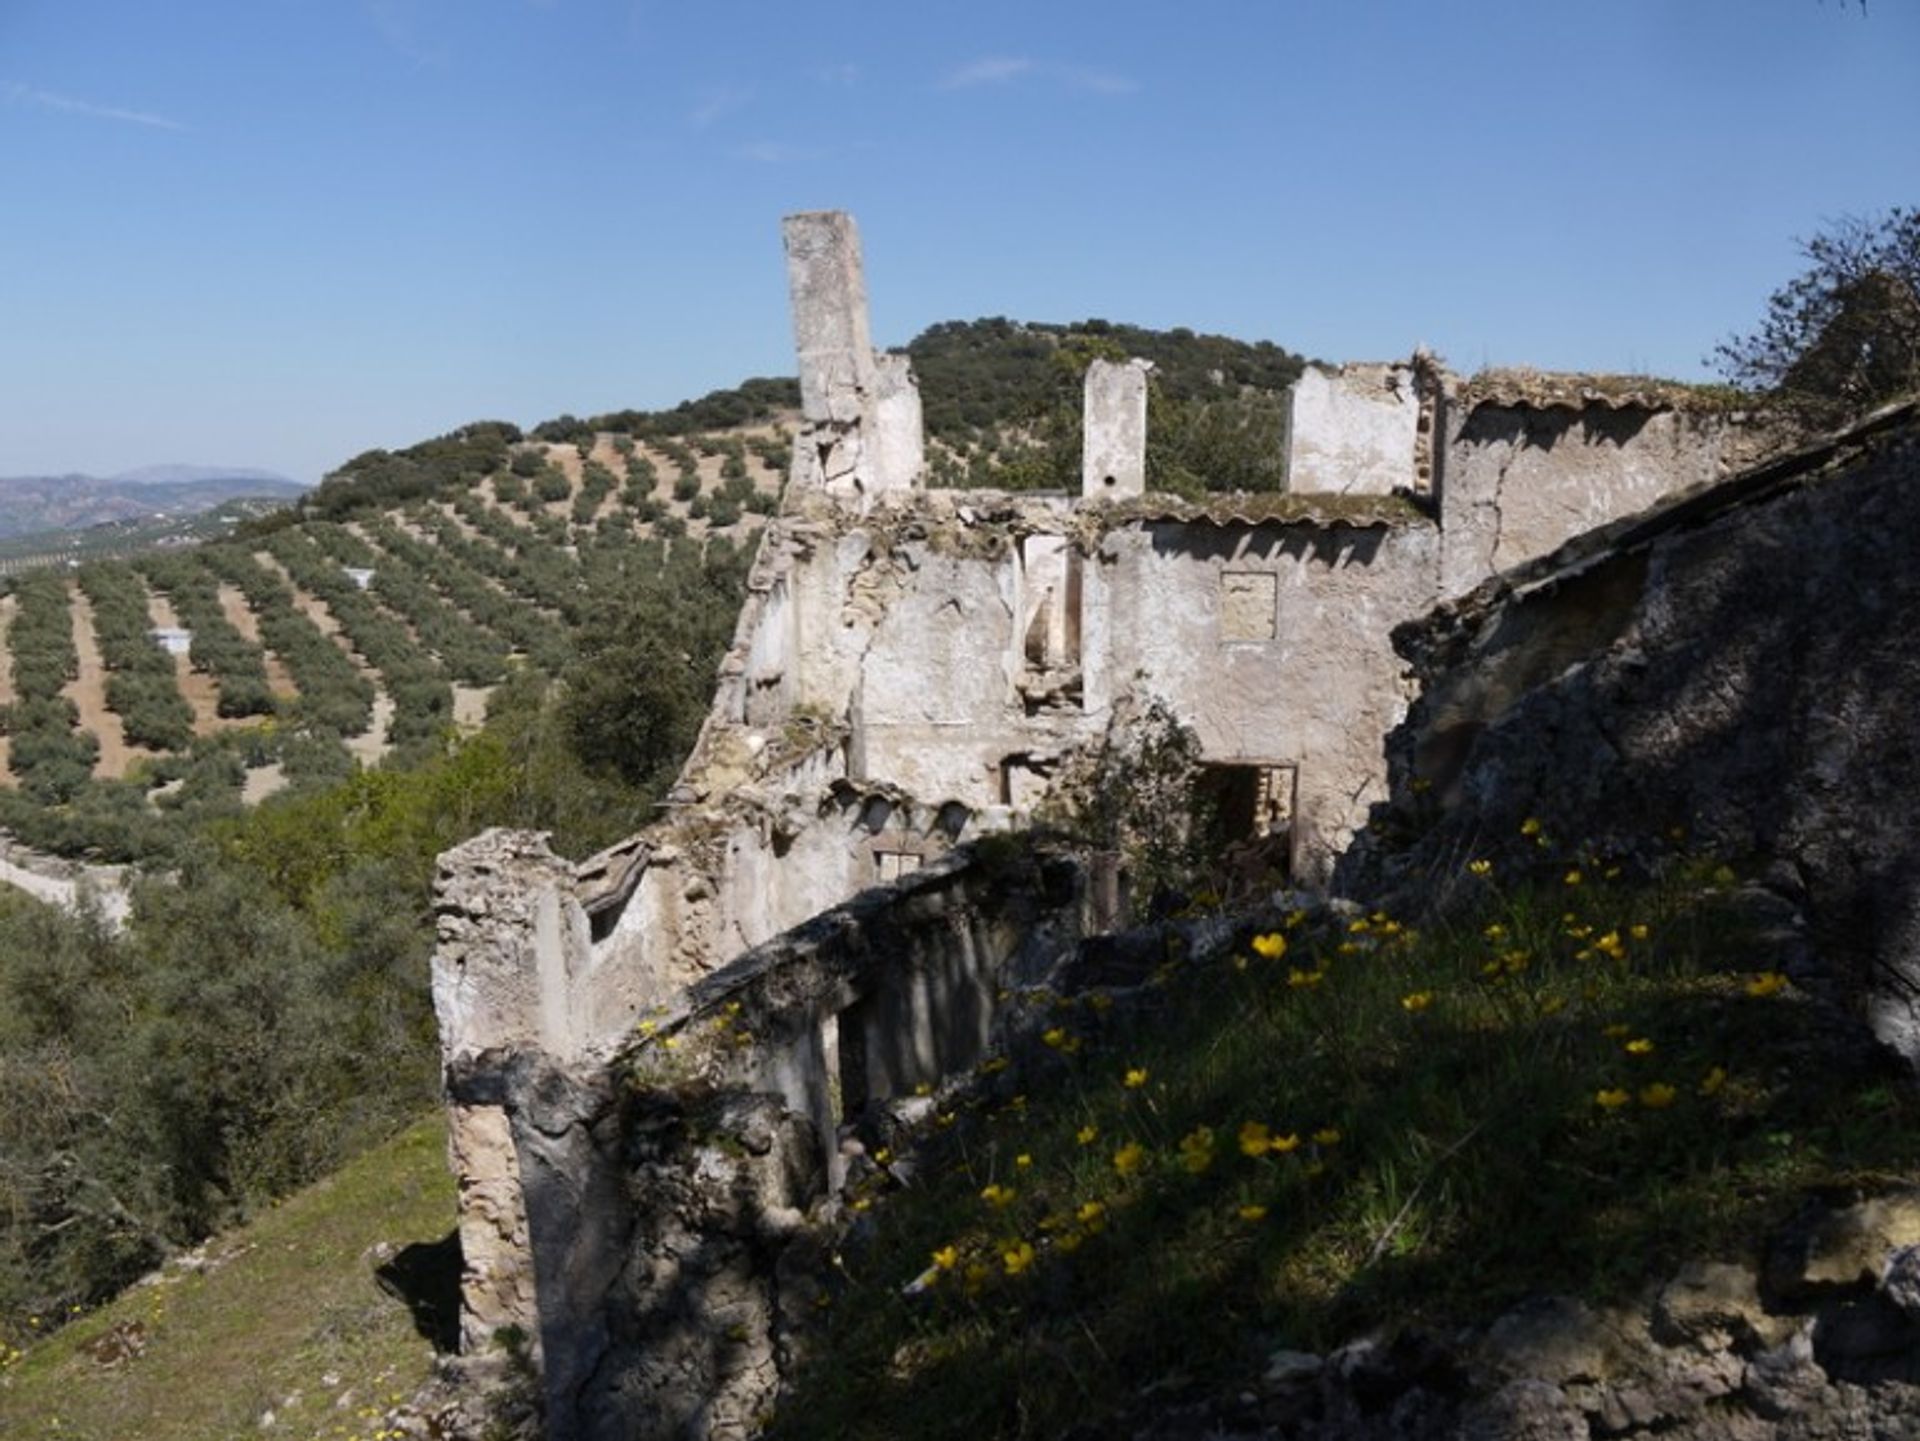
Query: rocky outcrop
{"x": 1739, "y": 668}
{"x": 1818, "y": 1342}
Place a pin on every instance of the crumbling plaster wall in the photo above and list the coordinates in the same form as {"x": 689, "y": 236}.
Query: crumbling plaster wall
{"x": 1519, "y": 480}
{"x": 1319, "y": 692}
{"x": 668, "y": 1262}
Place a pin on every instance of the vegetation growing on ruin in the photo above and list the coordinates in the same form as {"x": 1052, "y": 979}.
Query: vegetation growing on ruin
{"x": 1844, "y": 335}
{"x": 1574, "y": 1084}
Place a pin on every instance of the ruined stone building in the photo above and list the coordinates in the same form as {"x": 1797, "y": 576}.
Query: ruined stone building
{"x": 910, "y": 669}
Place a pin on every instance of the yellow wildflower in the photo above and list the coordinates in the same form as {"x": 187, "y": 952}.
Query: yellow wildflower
{"x": 1053, "y": 1036}
{"x": 1253, "y": 1213}
{"x": 1416, "y": 1002}
{"x": 1359, "y": 926}
{"x": 1765, "y": 984}
{"x": 998, "y": 1196}
{"x": 1619, "y": 1030}
{"x": 1086, "y": 1135}
{"x": 1480, "y": 868}
{"x": 1136, "y": 1077}
{"x": 1196, "y": 1150}
{"x": 1495, "y": 932}
{"x": 1284, "y": 1145}
{"x": 1272, "y": 945}
{"x": 1530, "y": 826}
{"x": 1713, "y": 1081}
{"x": 1255, "y": 1138}
{"x": 1614, "y": 1099}
{"x": 1348, "y": 948}
{"x": 1022, "y": 1161}
{"x": 1092, "y": 1215}
{"x": 1304, "y": 980}
{"x": 1638, "y": 932}
{"x": 1018, "y": 1258}
{"x": 946, "y": 1258}
{"x": 1612, "y": 945}
{"x": 1573, "y": 877}
{"x": 1326, "y": 1136}
{"x": 1657, "y": 1096}
{"x": 1640, "y": 1046}
{"x": 1130, "y": 1158}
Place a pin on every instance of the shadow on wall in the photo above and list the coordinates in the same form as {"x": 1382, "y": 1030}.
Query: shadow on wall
{"x": 1757, "y": 691}
{"x": 1531, "y": 428}
{"x": 1330, "y": 545}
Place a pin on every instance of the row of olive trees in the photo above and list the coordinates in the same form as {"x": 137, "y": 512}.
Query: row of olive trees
{"x": 142, "y": 687}
{"x": 237, "y": 665}
{"x": 51, "y": 756}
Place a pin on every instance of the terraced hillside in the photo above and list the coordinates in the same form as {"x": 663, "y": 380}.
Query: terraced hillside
{"x": 215, "y": 675}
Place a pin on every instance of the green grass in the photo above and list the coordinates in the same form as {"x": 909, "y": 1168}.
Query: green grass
{"x": 285, "y": 1303}
{"x": 1441, "y": 1158}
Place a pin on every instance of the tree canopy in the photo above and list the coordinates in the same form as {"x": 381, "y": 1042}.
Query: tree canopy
{"x": 1844, "y": 334}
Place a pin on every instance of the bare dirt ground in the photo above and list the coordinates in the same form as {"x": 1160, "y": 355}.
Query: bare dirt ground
{"x": 8, "y": 605}
{"x": 233, "y": 604}
{"x": 261, "y": 782}
{"x": 89, "y": 694}
{"x": 372, "y": 743}
{"x": 470, "y": 706}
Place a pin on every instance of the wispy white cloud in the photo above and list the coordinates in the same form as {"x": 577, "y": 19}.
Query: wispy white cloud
{"x": 1006, "y": 69}
{"x": 845, "y": 75}
{"x": 716, "y": 105}
{"x": 990, "y": 70}
{"x": 46, "y": 100}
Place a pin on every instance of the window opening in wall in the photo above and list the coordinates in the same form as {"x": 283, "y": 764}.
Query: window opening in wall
{"x": 1252, "y": 806}
{"x": 1022, "y": 781}
{"x": 850, "y": 1061}
{"x": 1049, "y": 633}
{"x": 890, "y": 866}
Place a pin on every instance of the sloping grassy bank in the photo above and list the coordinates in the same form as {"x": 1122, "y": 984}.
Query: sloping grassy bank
{"x": 282, "y": 1318}
{"x": 1340, "y": 1122}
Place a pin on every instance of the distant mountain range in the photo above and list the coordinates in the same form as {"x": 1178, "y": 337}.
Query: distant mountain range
{"x": 33, "y": 503}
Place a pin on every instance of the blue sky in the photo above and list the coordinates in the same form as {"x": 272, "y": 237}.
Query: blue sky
{"x": 279, "y": 232}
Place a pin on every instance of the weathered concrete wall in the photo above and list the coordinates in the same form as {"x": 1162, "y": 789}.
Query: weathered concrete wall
{"x": 1354, "y": 430}
{"x": 1272, "y": 642}
{"x": 667, "y": 1199}
{"x": 1113, "y": 464}
{"x": 1519, "y": 480}
{"x": 1741, "y": 663}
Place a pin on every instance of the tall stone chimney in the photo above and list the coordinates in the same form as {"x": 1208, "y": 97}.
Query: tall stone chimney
{"x": 861, "y": 424}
